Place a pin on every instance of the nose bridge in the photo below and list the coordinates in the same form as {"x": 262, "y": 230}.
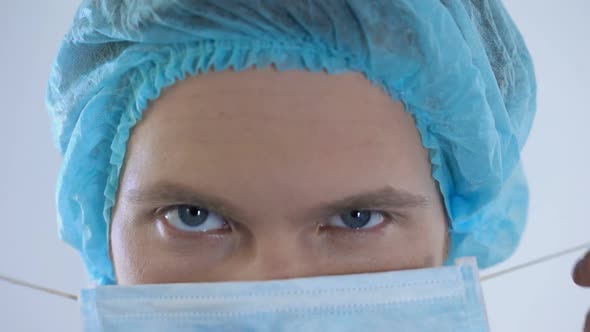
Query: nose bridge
{"x": 279, "y": 255}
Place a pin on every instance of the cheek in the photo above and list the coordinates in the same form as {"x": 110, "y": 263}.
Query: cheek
{"x": 141, "y": 254}
{"x": 412, "y": 250}
{"x": 421, "y": 244}
{"x": 129, "y": 261}
{"x": 417, "y": 244}
{"x": 131, "y": 255}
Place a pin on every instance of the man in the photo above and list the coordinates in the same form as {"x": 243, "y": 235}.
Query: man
{"x": 312, "y": 138}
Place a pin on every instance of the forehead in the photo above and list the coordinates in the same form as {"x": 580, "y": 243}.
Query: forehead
{"x": 263, "y": 129}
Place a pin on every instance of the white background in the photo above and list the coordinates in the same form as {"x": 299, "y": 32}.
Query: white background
{"x": 540, "y": 298}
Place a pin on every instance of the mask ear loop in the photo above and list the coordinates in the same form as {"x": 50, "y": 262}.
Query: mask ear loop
{"x": 38, "y": 288}
{"x": 483, "y": 278}
{"x": 536, "y": 261}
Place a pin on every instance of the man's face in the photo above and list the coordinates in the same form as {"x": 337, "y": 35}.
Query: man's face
{"x": 262, "y": 174}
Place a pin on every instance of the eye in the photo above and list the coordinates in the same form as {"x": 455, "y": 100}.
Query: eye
{"x": 357, "y": 219}
{"x": 192, "y": 218}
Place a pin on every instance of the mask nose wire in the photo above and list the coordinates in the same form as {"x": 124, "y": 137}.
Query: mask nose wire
{"x": 518, "y": 267}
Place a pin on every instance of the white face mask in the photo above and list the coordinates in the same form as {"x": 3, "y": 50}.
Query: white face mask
{"x": 435, "y": 299}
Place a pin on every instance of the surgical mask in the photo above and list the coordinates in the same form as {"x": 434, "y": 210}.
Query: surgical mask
{"x": 439, "y": 299}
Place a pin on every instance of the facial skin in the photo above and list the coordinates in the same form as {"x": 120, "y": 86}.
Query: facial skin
{"x": 262, "y": 152}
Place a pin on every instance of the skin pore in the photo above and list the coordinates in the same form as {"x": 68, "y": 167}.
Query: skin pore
{"x": 261, "y": 174}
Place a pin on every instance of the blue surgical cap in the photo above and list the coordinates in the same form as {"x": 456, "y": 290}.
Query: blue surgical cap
{"x": 460, "y": 67}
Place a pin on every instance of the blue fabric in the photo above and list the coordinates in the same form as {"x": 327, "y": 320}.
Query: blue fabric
{"x": 444, "y": 299}
{"x": 461, "y": 68}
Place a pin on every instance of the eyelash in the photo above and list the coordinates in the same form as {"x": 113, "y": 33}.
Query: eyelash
{"x": 389, "y": 218}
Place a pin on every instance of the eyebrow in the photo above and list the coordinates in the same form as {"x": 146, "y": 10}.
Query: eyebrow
{"x": 385, "y": 198}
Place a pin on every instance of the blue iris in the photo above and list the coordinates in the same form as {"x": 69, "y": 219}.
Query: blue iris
{"x": 192, "y": 215}
{"x": 356, "y": 219}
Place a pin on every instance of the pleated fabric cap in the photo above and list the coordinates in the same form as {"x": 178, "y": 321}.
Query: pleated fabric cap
{"x": 461, "y": 68}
